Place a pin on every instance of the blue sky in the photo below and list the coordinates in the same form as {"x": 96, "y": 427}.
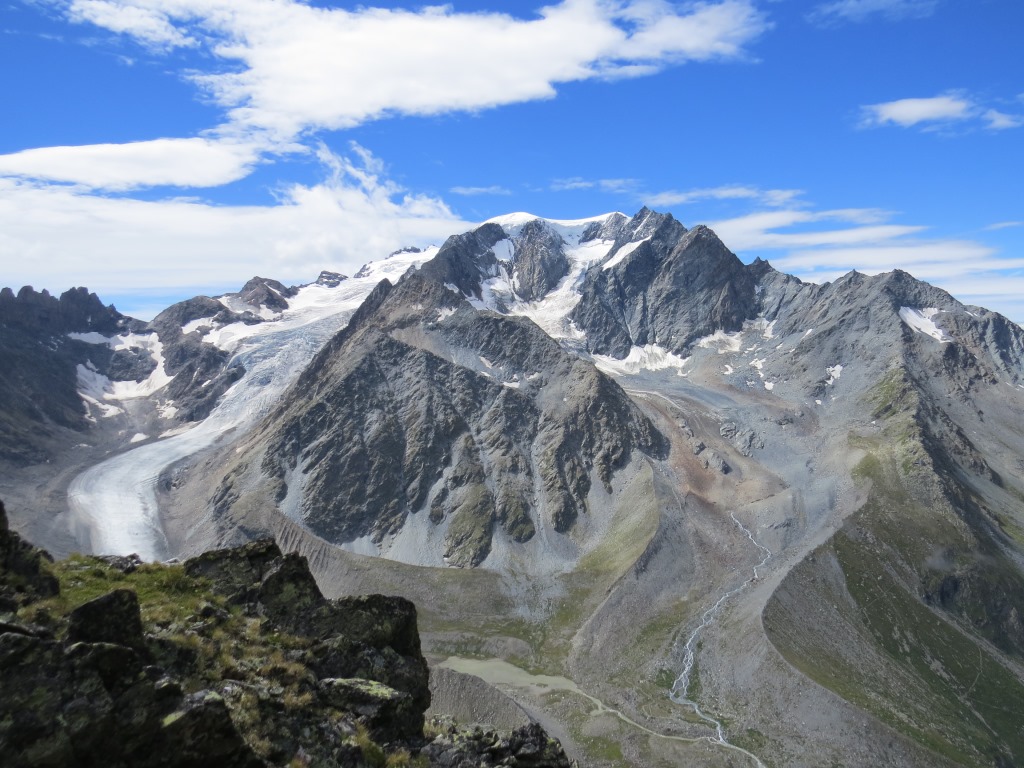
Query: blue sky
{"x": 155, "y": 149}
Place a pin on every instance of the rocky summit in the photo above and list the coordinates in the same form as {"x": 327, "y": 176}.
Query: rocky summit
{"x": 233, "y": 659}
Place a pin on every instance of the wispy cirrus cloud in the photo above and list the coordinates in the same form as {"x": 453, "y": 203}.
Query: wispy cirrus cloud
{"x": 770, "y": 197}
{"x": 839, "y": 11}
{"x": 822, "y": 245}
{"x": 615, "y": 186}
{"x": 494, "y": 189}
{"x": 636, "y": 190}
{"x": 937, "y": 112}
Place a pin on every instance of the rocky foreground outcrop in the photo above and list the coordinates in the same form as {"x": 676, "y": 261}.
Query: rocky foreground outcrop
{"x": 233, "y": 659}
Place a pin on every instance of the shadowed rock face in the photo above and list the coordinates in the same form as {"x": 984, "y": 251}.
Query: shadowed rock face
{"x": 674, "y": 287}
{"x": 38, "y": 374}
{"x": 465, "y": 259}
{"x": 264, "y": 672}
{"x": 539, "y": 262}
{"x": 23, "y": 573}
{"x": 426, "y": 406}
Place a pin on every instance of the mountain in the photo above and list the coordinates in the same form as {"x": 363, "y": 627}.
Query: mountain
{"x": 755, "y": 519}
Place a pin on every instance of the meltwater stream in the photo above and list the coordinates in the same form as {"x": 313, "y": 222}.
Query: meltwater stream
{"x": 681, "y": 685}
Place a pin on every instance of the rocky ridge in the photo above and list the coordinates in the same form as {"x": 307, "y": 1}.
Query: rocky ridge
{"x": 38, "y": 367}
{"x": 424, "y": 406}
{"x": 231, "y": 659}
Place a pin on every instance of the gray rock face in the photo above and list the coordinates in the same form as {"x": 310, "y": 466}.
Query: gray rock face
{"x": 38, "y": 367}
{"x": 539, "y": 262}
{"x": 471, "y": 701}
{"x": 464, "y": 260}
{"x": 200, "y": 371}
{"x": 330, "y": 279}
{"x": 263, "y": 292}
{"x": 673, "y": 288}
{"x": 425, "y": 406}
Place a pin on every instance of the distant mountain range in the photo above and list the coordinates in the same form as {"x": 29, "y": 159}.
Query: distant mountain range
{"x": 597, "y": 428}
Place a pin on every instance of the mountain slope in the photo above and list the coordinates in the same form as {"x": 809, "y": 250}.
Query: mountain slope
{"x": 425, "y": 407}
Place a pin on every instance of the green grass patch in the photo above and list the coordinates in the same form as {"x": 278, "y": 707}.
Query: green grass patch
{"x": 916, "y": 669}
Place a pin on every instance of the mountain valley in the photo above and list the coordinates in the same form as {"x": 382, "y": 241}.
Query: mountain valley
{"x": 684, "y": 510}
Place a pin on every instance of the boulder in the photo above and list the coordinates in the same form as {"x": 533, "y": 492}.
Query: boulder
{"x": 112, "y": 618}
{"x": 389, "y": 715}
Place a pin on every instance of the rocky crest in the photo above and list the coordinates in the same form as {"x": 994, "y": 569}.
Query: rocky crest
{"x": 425, "y": 406}
{"x": 665, "y": 285}
{"x": 232, "y": 659}
{"x": 38, "y": 367}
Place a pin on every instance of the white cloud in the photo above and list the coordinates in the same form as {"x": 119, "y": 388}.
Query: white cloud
{"x": 1004, "y": 225}
{"x": 195, "y": 162}
{"x": 494, "y": 189}
{"x": 770, "y": 197}
{"x": 311, "y": 68}
{"x": 614, "y": 186}
{"x": 936, "y": 112}
{"x": 758, "y": 231}
{"x": 910, "y": 112}
{"x": 1000, "y": 121}
{"x": 862, "y": 10}
{"x": 56, "y": 237}
{"x": 282, "y": 69}
{"x": 149, "y": 25}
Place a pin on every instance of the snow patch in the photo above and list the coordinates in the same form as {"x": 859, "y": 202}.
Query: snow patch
{"x": 198, "y": 324}
{"x": 722, "y": 341}
{"x": 834, "y": 372}
{"x": 921, "y": 321}
{"x": 551, "y": 313}
{"x": 93, "y": 388}
{"x": 240, "y": 306}
{"x": 92, "y": 337}
{"x": 138, "y": 437}
{"x": 769, "y": 385}
{"x": 622, "y": 253}
{"x": 503, "y": 250}
{"x": 444, "y": 313}
{"x": 649, "y": 357}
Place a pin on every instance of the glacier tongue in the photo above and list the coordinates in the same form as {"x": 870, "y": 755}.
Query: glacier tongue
{"x": 114, "y": 505}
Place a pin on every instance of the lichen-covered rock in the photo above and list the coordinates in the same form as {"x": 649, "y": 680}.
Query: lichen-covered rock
{"x": 111, "y": 618}
{"x": 202, "y": 727}
{"x": 235, "y": 573}
{"x": 528, "y": 746}
{"x": 387, "y": 714}
{"x": 235, "y": 660}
